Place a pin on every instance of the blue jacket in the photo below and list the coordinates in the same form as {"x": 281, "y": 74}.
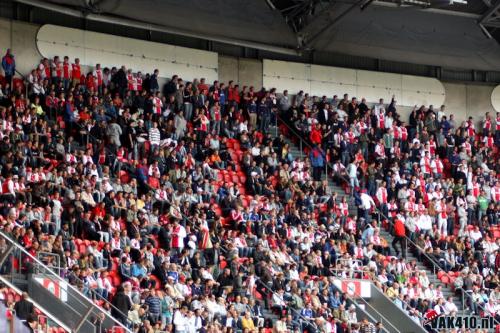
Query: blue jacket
{"x": 9, "y": 68}
{"x": 222, "y": 97}
{"x": 68, "y": 113}
{"x": 317, "y": 161}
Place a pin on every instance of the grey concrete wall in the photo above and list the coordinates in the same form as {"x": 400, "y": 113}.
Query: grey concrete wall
{"x": 246, "y": 72}
{"x": 462, "y": 100}
{"x": 468, "y": 100}
{"x": 228, "y": 69}
{"x": 250, "y": 73}
{"x": 21, "y": 38}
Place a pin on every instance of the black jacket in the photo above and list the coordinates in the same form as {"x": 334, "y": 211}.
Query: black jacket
{"x": 24, "y": 309}
{"x": 122, "y": 305}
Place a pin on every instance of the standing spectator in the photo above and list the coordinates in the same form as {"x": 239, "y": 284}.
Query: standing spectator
{"x": 285, "y": 101}
{"x": 399, "y": 237}
{"x": 9, "y": 66}
{"x": 153, "y": 82}
{"x": 24, "y": 308}
{"x": 66, "y": 73}
{"x": 120, "y": 81}
{"x": 317, "y": 162}
{"x": 121, "y": 306}
{"x": 76, "y": 72}
{"x": 154, "y": 304}
{"x": 181, "y": 320}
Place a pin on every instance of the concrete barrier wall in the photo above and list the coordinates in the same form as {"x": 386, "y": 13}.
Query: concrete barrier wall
{"x": 247, "y": 72}
{"x": 21, "y": 38}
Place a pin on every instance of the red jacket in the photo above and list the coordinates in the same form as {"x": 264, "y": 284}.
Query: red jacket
{"x": 315, "y": 136}
{"x": 399, "y": 228}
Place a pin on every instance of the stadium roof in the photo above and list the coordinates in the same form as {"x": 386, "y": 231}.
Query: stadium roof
{"x": 415, "y": 31}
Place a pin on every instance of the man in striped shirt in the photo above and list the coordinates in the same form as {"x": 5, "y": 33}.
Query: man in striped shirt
{"x": 154, "y": 137}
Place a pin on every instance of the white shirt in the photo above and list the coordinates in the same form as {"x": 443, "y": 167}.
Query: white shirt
{"x": 352, "y": 317}
{"x": 242, "y": 127}
{"x": 366, "y": 201}
{"x": 450, "y": 307}
{"x": 180, "y": 322}
{"x": 424, "y": 222}
{"x": 191, "y": 325}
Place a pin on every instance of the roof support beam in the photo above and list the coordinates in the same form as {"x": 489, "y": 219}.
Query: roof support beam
{"x": 487, "y": 3}
{"x": 332, "y": 22}
{"x": 491, "y": 24}
{"x": 490, "y": 12}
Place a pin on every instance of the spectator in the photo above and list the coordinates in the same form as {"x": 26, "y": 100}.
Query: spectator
{"x": 24, "y": 308}
{"x": 9, "y": 66}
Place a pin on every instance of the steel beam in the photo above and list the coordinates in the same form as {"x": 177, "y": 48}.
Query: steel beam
{"x": 490, "y": 12}
{"x": 336, "y": 20}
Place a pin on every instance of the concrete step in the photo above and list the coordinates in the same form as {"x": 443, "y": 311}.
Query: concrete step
{"x": 353, "y": 210}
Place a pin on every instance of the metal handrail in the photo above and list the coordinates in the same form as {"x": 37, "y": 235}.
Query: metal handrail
{"x": 297, "y": 135}
{"x": 402, "y": 300}
{"x": 372, "y": 284}
{"x": 41, "y": 254}
{"x": 60, "y": 279}
{"x": 376, "y": 311}
{"x": 292, "y": 309}
{"x": 35, "y": 304}
{"x": 463, "y": 291}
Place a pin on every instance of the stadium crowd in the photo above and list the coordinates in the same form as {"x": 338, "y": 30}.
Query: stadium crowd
{"x": 179, "y": 205}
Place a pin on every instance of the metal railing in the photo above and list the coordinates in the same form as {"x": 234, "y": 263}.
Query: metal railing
{"x": 25, "y": 81}
{"x": 27, "y": 262}
{"x": 303, "y": 142}
{"x": 48, "y": 259}
{"x": 467, "y": 295}
{"x": 435, "y": 267}
{"x": 383, "y": 319}
{"x": 376, "y": 210}
{"x": 57, "y": 322}
{"x": 295, "y": 311}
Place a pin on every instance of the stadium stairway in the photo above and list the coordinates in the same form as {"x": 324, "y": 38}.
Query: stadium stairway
{"x": 296, "y": 152}
{"x": 61, "y": 307}
{"x": 432, "y": 274}
{"x": 435, "y": 274}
